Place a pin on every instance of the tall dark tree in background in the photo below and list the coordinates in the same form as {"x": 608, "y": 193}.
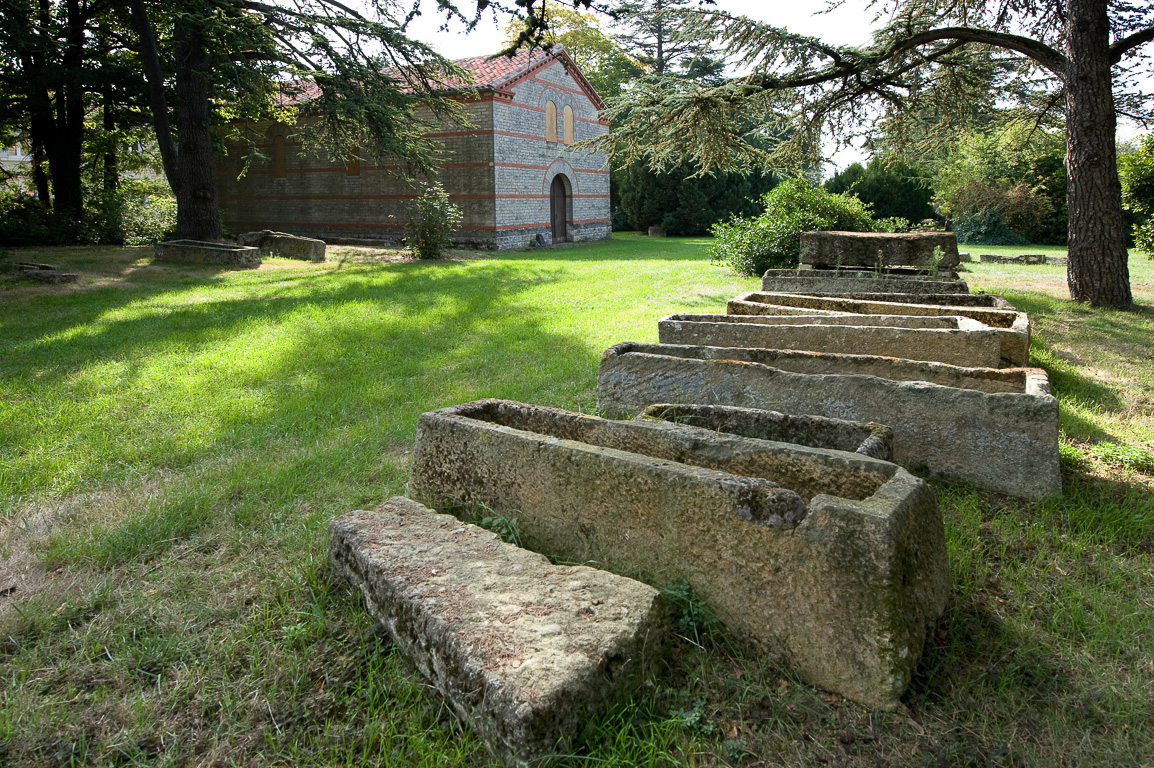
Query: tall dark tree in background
{"x": 1075, "y": 50}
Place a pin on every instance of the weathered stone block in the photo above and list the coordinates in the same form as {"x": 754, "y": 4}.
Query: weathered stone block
{"x": 876, "y": 440}
{"x": 1013, "y": 327}
{"x": 524, "y": 651}
{"x": 879, "y": 249}
{"x": 197, "y": 252}
{"x": 996, "y": 429}
{"x": 1025, "y": 258}
{"x": 845, "y": 594}
{"x": 848, "y": 282}
{"x": 45, "y": 273}
{"x": 964, "y": 342}
{"x": 283, "y": 244}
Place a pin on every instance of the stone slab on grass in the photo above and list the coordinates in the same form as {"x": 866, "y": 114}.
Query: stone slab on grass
{"x": 880, "y": 249}
{"x": 285, "y": 245}
{"x": 968, "y": 343}
{"x": 198, "y": 252}
{"x": 833, "y": 561}
{"x": 1013, "y": 327}
{"x": 523, "y": 650}
{"x": 872, "y": 439}
{"x": 820, "y": 281}
{"x": 996, "y": 429}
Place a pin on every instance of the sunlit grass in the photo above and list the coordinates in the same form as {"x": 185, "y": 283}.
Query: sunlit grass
{"x": 174, "y": 440}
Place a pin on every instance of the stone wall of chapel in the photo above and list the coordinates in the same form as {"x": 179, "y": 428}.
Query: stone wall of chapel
{"x": 526, "y": 160}
{"x": 317, "y": 198}
{"x": 498, "y": 172}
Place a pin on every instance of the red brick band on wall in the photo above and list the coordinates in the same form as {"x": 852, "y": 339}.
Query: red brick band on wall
{"x": 341, "y": 168}
{"x": 335, "y": 225}
{"x": 398, "y": 197}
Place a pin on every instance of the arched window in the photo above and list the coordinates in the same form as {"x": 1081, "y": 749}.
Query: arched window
{"x": 279, "y": 164}
{"x": 550, "y": 121}
{"x": 568, "y": 124}
{"x": 353, "y": 163}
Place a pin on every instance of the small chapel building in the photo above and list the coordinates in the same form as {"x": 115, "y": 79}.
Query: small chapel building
{"x": 514, "y": 175}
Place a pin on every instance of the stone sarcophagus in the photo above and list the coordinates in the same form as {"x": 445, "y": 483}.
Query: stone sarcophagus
{"x": 880, "y": 250}
{"x": 1012, "y": 327}
{"x": 835, "y": 561}
{"x": 995, "y": 428}
{"x": 523, "y": 650}
{"x": 954, "y": 340}
{"x": 824, "y": 281}
{"x": 198, "y": 252}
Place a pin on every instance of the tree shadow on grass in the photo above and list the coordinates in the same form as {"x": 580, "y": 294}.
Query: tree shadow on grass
{"x": 624, "y": 246}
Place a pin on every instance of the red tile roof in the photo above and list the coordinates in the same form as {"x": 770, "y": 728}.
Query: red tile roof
{"x": 488, "y": 73}
{"x": 498, "y": 72}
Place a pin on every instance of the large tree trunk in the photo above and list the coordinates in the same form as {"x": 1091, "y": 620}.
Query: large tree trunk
{"x": 1097, "y": 271}
{"x": 197, "y": 215}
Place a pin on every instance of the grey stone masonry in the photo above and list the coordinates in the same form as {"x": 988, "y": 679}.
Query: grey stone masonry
{"x": 523, "y": 651}
{"x": 823, "y": 281}
{"x": 198, "y": 252}
{"x": 283, "y": 244}
{"x": 997, "y": 429}
{"x": 1013, "y": 327}
{"x": 968, "y": 342}
{"x": 498, "y": 170}
{"x": 876, "y": 440}
{"x": 880, "y": 250}
{"x": 834, "y": 561}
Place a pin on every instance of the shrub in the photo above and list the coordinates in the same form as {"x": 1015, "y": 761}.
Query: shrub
{"x": 773, "y": 239}
{"x": 26, "y": 221}
{"x": 985, "y": 227}
{"x": 893, "y": 189}
{"x": 1136, "y": 169}
{"x": 683, "y": 204}
{"x": 433, "y": 220}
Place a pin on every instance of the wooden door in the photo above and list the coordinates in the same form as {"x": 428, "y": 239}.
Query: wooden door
{"x": 557, "y": 208}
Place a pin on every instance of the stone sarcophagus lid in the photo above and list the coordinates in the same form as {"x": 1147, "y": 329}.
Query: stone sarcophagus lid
{"x": 954, "y": 340}
{"x": 198, "y": 252}
{"x": 1012, "y": 327}
{"x": 523, "y": 650}
{"x": 833, "y": 560}
{"x": 880, "y": 250}
{"x": 995, "y": 428}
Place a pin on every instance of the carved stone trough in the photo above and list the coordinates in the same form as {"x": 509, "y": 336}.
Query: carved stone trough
{"x": 954, "y": 340}
{"x": 847, "y": 282}
{"x": 995, "y": 428}
{"x": 835, "y": 561}
{"x": 198, "y": 252}
{"x": 1013, "y": 327}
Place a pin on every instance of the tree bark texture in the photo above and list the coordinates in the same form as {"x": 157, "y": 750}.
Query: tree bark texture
{"x": 1097, "y": 271}
{"x": 197, "y": 214}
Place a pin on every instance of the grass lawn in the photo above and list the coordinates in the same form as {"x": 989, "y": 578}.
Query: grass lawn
{"x": 174, "y": 439}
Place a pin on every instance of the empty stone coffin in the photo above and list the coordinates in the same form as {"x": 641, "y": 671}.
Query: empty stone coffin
{"x": 198, "y": 252}
{"x": 850, "y": 281}
{"x": 954, "y": 340}
{"x": 283, "y": 244}
{"x": 873, "y": 439}
{"x": 523, "y": 650}
{"x": 997, "y": 429}
{"x": 1012, "y": 327}
{"x": 835, "y": 561}
{"x": 880, "y": 250}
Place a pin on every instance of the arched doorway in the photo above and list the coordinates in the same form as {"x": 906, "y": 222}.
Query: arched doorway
{"x": 558, "y": 209}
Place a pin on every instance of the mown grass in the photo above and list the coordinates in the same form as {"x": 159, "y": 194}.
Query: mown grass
{"x": 173, "y": 441}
